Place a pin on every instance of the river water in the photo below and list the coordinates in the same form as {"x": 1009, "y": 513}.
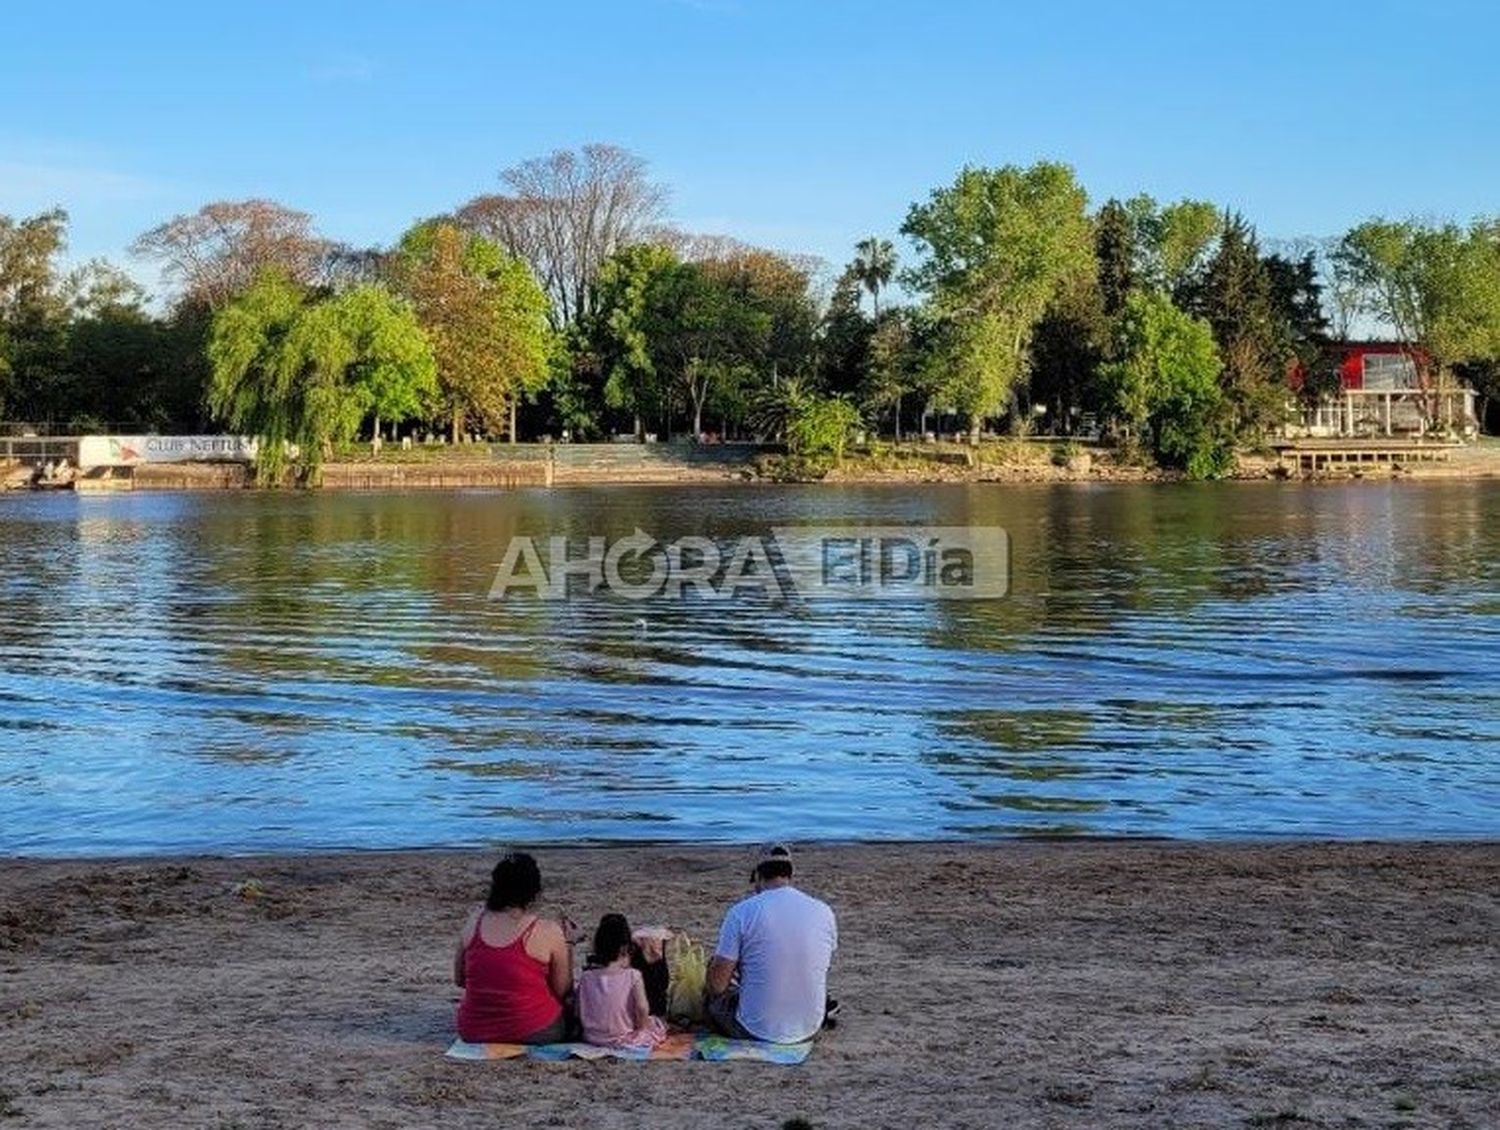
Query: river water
{"x": 247, "y": 671}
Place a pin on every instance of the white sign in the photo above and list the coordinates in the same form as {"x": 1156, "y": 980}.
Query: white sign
{"x": 131, "y": 451}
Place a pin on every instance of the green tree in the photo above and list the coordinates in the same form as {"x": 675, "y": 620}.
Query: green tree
{"x": 996, "y": 247}
{"x": 1164, "y": 385}
{"x": 1297, "y": 305}
{"x": 626, "y": 292}
{"x": 1436, "y": 285}
{"x": 893, "y": 372}
{"x": 1115, "y": 248}
{"x": 702, "y": 335}
{"x": 844, "y": 338}
{"x": 1067, "y": 348}
{"x": 486, "y": 318}
{"x": 257, "y": 385}
{"x": 1234, "y": 296}
{"x": 391, "y": 372}
{"x": 114, "y": 348}
{"x": 33, "y": 316}
{"x": 294, "y": 370}
{"x": 821, "y": 427}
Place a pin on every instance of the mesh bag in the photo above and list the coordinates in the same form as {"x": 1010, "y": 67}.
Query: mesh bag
{"x": 687, "y": 979}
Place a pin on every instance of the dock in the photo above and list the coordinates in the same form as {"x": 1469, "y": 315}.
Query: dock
{"x": 1315, "y": 457}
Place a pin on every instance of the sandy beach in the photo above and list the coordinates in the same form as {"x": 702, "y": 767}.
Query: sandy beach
{"x": 1026, "y": 984}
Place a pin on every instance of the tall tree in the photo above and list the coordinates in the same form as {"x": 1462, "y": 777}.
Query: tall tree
{"x": 1164, "y": 385}
{"x": 216, "y": 252}
{"x": 1173, "y": 243}
{"x": 1297, "y": 303}
{"x": 565, "y": 214}
{"x": 1342, "y": 287}
{"x": 1436, "y": 285}
{"x": 485, "y": 316}
{"x": 1234, "y": 296}
{"x": 1070, "y": 343}
{"x": 843, "y": 345}
{"x": 703, "y": 334}
{"x": 996, "y": 247}
{"x": 33, "y": 313}
{"x": 1115, "y": 247}
{"x": 293, "y": 369}
{"x": 874, "y": 266}
{"x": 892, "y": 374}
{"x": 628, "y": 285}
{"x": 115, "y": 353}
{"x": 392, "y": 373}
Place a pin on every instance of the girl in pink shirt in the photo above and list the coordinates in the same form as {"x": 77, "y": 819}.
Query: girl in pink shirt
{"x": 612, "y": 1004}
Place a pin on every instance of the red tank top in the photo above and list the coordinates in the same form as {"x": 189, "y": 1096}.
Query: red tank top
{"x": 506, "y": 994}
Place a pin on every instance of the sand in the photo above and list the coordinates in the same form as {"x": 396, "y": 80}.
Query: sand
{"x": 1026, "y": 984}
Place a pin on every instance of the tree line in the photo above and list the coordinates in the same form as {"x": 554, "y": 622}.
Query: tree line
{"x": 567, "y": 306}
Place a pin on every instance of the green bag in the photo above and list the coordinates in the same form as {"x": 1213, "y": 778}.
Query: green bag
{"x": 687, "y": 979}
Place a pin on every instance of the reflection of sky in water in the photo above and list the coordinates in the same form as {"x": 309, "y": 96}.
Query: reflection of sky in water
{"x": 194, "y": 672}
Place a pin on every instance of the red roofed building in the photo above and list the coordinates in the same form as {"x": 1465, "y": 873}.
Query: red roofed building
{"x": 1383, "y": 388}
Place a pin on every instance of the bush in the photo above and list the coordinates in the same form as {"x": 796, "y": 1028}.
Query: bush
{"x": 793, "y": 468}
{"x": 821, "y": 427}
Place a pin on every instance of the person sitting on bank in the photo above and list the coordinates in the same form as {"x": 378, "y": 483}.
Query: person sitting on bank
{"x": 768, "y": 979}
{"x": 516, "y": 969}
{"x": 612, "y": 999}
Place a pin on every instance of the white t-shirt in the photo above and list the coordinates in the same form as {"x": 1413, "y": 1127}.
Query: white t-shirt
{"x": 783, "y": 941}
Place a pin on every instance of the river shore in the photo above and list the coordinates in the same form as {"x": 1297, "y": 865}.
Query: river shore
{"x": 1092, "y": 984}
{"x": 500, "y": 466}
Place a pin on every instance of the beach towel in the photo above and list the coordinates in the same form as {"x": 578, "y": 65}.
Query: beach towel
{"x": 680, "y": 1045}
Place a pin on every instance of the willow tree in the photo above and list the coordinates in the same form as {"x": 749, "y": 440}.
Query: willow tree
{"x": 996, "y": 247}
{"x": 486, "y": 317}
{"x": 300, "y": 373}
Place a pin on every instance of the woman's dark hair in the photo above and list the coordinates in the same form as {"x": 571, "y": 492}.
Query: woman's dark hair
{"x": 611, "y": 939}
{"x": 515, "y": 882}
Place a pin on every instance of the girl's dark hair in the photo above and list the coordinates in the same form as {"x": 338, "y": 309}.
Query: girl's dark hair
{"x": 611, "y": 939}
{"x": 515, "y": 882}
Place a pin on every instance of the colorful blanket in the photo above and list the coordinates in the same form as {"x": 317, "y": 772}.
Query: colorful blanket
{"x": 679, "y": 1045}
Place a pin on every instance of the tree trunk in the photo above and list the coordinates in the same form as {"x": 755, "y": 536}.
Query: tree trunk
{"x": 458, "y": 424}
{"x": 640, "y": 429}
{"x": 513, "y": 419}
{"x": 898, "y": 417}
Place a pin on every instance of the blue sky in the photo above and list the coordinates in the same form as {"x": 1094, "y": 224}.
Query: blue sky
{"x": 798, "y": 125}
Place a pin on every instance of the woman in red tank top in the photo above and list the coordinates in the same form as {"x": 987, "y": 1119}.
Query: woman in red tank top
{"x": 516, "y": 970}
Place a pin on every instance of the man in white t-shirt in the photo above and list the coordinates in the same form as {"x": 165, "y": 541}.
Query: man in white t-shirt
{"x": 779, "y": 942}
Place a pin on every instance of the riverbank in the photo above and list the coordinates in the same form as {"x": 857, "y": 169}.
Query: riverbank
{"x": 498, "y": 466}
{"x": 1062, "y": 984}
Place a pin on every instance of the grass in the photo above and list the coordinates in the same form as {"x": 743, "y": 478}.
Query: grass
{"x": 434, "y": 453}
{"x": 1280, "y": 1118}
{"x": 1005, "y": 451}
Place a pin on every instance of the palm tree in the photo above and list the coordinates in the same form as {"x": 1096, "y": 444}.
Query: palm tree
{"x": 874, "y": 264}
